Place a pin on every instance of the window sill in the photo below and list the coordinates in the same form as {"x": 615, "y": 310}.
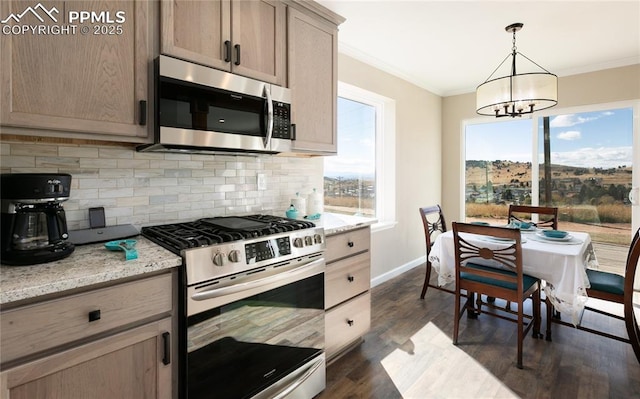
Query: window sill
{"x": 381, "y": 226}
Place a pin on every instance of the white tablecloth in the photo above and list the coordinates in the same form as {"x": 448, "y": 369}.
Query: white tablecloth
{"x": 561, "y": 265}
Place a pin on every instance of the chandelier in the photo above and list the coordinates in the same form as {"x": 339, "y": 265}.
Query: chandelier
{"x": 516, "y": 94}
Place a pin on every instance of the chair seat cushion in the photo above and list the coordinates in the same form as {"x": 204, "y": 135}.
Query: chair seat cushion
{"x": 606, "y": 282}
{"x": 528, "y": 280}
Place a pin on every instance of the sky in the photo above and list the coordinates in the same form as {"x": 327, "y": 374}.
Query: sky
{"x": 356, "y": 141}
{"x": 590, "y": 139}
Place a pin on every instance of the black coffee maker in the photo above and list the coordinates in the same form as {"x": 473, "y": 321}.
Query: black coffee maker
{"x": 34, "y": 226}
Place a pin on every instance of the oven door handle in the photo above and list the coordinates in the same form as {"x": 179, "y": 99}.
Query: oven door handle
{"x": 239, "y": 287}
{"x": 307, "y": 373}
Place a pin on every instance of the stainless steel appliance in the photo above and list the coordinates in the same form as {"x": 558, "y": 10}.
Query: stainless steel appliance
{"x": 204, "y": 110}
{"x": 252, "y": 305}
{"x": 34, "y": 226}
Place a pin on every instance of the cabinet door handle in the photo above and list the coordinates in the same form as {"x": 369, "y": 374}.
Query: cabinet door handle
{"x": 227, "y": 51}
{"x": 350, "y": 278}
{"x": 350, "y": 244}
{"x": 143, "y": 113}
{"x": 293, "y": 131}
{"x": 237, "y": 47}
{"x": 166, "y": 341}
{"x": 94, "y": 315}
{"x": 350, "y": 322}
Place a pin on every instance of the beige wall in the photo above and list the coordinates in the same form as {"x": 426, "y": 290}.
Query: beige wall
{"x": 418, "y": 149}
{"x": 606, "y": 86}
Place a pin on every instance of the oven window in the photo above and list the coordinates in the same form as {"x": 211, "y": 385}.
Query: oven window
{"x": 239, "y": 349}
{"x": 191, "y": 106}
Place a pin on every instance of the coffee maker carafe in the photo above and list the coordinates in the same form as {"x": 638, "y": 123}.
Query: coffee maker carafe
{"x": 34, "y": 226}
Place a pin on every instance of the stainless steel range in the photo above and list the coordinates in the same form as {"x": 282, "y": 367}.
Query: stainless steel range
{"x": 252, "y": 306}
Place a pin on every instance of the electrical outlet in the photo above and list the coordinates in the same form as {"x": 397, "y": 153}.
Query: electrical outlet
{"x": 262, "y": 181}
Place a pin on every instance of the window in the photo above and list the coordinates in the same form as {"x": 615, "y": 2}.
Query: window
{"x": 579, "y": 161}
{"x": 360, "y": 179}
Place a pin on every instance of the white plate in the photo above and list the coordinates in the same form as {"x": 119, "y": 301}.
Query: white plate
{"x": 502, "y": 240}
{"x": 530, "y": 228}
{"x": 568, "y": 237}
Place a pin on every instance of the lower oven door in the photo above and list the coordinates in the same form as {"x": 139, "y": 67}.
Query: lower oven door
{"x": 259, "y": 335}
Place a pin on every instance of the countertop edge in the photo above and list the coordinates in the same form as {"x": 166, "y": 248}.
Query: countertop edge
{"x": 88, "y": 265}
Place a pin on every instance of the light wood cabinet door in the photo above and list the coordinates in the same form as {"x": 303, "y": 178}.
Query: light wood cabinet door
{"x": 36, "y": 328}
{"x": 196, "y": 30}
{"x": 127, "y": 365}
{"x": 346, "y": 279}
{"x": 258, "y": 31}
{"x": 244, "y": 37}
{"x": 88, "y": 79}
{"x": 312, "y": 66}
{"x": 347, "y": 244}
{"x": 346, "y": 324}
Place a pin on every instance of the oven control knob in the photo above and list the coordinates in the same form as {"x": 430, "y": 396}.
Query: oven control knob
{"x": 298, "y": 243}
{"x": 317, "y": 239}
{"x": 308, "y": 240}
{"x": 218, "y": 259}
{"x": 234, "y": 256}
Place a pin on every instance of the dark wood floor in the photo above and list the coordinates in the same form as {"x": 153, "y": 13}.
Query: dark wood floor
{"x": 408, "y": 354}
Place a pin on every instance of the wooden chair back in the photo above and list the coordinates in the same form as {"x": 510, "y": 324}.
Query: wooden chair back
{"x": 547, "y": 216}
{"x": 433, "y": 222}
{"x": 469, "y": 256}
{"x": 630, "y": 288}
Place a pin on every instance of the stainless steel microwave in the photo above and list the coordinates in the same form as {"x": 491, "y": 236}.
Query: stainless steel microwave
{"x": 203, "y": 110}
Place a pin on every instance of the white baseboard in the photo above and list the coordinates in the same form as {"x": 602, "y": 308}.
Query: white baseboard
{"x": 398, "y": 271}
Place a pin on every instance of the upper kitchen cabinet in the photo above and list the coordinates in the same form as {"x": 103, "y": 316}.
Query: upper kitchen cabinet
{"x": 313, "y": 77}
{"x": 76, "y": 68}
{"x": 244, "y": 37}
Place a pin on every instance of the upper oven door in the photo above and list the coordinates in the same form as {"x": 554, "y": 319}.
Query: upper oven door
{"x": 205, "y": 108}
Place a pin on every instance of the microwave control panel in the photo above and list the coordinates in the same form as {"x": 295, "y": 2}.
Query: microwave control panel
{"x": 281, "y": 120}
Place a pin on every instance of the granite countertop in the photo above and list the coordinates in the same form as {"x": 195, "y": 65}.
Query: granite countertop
{"x": 334, "y": 223}
{"x": 87, "y": 265}
{"x": 93, "y": 264}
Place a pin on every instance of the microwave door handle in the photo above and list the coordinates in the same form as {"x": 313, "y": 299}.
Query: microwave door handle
{"x": 267, "y": 139}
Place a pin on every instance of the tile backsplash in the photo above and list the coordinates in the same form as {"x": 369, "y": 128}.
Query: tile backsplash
{"x": 154, "y": 188}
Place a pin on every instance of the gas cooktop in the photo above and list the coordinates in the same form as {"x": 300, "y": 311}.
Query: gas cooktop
{"x": 210, "y": 231}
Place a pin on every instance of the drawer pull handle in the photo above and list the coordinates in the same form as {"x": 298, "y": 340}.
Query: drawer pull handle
{"x": 94, "y": 315}
{"x": 350, "y": 322}
{"x": 350, "y": 278}
{"x": 142, "y": 120}
{"x": 350, "y": 244}
{"x": 166, "y": 340}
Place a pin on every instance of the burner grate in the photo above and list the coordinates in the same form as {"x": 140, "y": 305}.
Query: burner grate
{"x": 204, "y": 232}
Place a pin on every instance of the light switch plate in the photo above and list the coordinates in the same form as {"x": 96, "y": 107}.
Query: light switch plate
{"x": 262, "y": 181}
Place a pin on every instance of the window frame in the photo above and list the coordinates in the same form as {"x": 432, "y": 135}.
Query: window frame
{"x": 385, "y": 144}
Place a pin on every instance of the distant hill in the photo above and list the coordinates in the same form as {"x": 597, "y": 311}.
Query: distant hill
{"x": 506, "y": 172}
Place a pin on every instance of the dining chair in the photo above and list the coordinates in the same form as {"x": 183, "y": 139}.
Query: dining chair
{"x": 524, "y": 213}
{"x": 615, "y": 288}
{"x": 433, "y": 222}
{"x": 494, "y": 269}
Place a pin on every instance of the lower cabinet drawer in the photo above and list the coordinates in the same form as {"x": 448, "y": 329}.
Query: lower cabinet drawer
{"x": 348, "y": 243}
{"x": 34, "y": 328}
{"x": 347, "y": 278}
{"x": 346, "y": 323}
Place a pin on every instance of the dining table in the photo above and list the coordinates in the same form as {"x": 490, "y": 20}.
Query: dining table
{"x": 561, "y": 264}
